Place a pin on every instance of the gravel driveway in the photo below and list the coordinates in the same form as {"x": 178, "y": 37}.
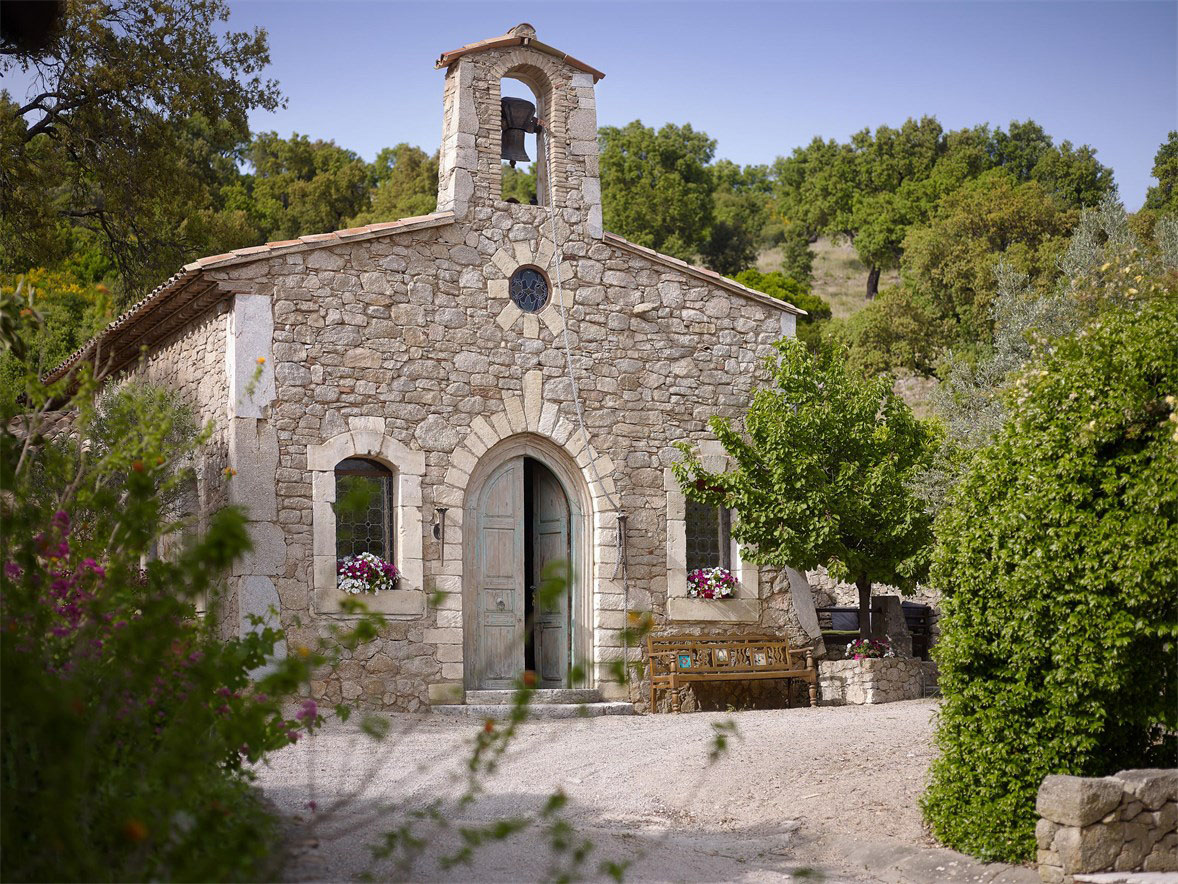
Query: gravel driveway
{"x": 815, "y": 794}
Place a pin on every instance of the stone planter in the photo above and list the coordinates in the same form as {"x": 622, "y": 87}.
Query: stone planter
{"x": 878, "y": 680}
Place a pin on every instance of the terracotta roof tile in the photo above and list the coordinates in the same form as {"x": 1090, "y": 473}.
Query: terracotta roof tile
{"x": 520, "y": 35}
{"x": 192, "y": 270}
{"x": 703, "y": 273}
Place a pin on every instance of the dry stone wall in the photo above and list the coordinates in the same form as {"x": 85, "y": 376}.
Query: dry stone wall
{"x": 875, "y": 680}
{"x": 1123, "y": 823}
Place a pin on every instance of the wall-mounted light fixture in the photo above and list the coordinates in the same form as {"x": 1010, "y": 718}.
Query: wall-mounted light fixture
{"x": 440, "y": 528}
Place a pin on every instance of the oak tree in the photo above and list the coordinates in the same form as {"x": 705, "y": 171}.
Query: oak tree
{"x": 821, "y": 475}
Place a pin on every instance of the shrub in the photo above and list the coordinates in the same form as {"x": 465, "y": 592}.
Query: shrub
{"x": 776, "y": 284}
{"x": 128, "y": 722}
{"x": 1058, "y": 557}
{"x": 896, "y": 330}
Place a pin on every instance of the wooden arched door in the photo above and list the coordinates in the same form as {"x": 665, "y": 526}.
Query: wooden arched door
{"x": 499, "y": 577}
{"x": 550, "y": 545}
{"x": 523, "y": 521}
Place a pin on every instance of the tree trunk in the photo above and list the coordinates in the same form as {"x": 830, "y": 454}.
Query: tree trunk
{"x": 864, "y": 606}
{"x": 872, "y": 283}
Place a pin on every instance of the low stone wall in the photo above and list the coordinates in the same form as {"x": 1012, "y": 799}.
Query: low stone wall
{"x": 878, "y": 680}
{"x": 1127, "y": 822}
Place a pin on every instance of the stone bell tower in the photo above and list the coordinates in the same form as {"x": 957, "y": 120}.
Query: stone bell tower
{"x": 568, "y": 175}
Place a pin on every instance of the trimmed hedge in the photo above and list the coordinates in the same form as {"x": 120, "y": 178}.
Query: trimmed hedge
{"x": 1059, "y": 557}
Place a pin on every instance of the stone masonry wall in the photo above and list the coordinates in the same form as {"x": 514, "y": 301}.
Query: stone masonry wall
{"x": 416, "y": 330}
{"x": 1126, "y": 822}
{"x": 878, "y": 680}
{"x": 191, "y": 363}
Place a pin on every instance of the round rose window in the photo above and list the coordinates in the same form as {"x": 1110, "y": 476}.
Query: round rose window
{"x": 529, "y": 290}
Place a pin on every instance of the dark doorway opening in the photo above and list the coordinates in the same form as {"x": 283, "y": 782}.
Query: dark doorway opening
{"x": 547, "y": 540}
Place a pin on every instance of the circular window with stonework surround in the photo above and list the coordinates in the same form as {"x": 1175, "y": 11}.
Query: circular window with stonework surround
{"x": 529, "y": 289}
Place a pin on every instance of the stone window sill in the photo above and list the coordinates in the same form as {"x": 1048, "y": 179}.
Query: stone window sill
{"x": 716, "y": 610}
{"x": 408, "y": 603}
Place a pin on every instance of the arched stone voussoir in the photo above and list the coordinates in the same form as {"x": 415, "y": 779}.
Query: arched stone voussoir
{"x": 324, "y": 456}
{"x": 368, "y": 443}
{"x": 448, "y": 495}
{"x": 408, "y": 461}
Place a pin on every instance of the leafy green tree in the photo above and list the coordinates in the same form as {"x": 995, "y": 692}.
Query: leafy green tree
{"x": 797, "y": 259}
{"x": 406, "y": 182}
{"x": 100, "y": 140}
{"x": 519, "y": 184}
{"x": 815, "y": 187}
{"x": 990, "y": 220}
{"x": 301, "y": 186}
{"x": 70, "y": 309}
{"x": 1057, "y": 558}
{"x": 1071, "y": 174}
{"x": 821, "y": 475}
{"x": 656, "y": 187}
{"x": 742, "y": 216}
{"x": 867, "y": 191}
{"x": 874, "y": 190}
{"x": 1163, "y": 196}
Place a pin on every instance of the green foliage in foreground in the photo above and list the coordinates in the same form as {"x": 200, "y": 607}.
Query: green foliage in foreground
{"x": 129, "y": 722}
{"x": 1058, "y": 558}
{"x": 822, "y": 473}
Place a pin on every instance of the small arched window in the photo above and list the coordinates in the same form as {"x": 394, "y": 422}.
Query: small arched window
{"x": 709, "y": 530}
{"x": 363, "y": 508}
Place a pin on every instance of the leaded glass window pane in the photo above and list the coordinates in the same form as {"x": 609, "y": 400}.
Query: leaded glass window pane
{"x": 708, "y": 530}
{"x": 528, "y": 290}
{"x": 363, "y": 509}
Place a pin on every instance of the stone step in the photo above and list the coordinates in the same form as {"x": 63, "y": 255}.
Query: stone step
{"x": 542, "y": 712}
{"x": 546, "y": 696}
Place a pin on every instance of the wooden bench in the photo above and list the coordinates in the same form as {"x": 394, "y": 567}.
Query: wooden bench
{"x": 680, "y": 659}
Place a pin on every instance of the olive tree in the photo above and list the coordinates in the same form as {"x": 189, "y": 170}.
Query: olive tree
{"x": 822, "y": 473}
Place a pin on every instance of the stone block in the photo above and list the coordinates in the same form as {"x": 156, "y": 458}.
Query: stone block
{"x": 393, "y": 603}
{"x": 1164, "y": 855}
{"x": 268, "y": 556}
{"x": 1153, "y": 787}
{"x": 1044, "y": 833}
{"x": 1135, "y": 847}
{"x": 443, "y": 636}
{"x": 714, "y": 610}
{"x": 445, "y": 694}
{"x": 1089, "y": 849}
{"x": 1077, "y": 801}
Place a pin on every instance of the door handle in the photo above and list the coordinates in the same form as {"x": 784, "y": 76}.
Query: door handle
{"x": 499, "y": 604}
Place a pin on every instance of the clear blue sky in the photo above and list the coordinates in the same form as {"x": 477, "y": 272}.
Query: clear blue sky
{"x": 760, "y": 77}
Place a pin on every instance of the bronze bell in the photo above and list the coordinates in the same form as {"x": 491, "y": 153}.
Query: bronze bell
{"x": 518, "y": 117}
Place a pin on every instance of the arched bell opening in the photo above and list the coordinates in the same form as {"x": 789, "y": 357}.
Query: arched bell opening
{"x": 523, "y": 104}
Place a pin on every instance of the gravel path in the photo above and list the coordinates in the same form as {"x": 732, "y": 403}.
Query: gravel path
{"x": 828, "y": 793}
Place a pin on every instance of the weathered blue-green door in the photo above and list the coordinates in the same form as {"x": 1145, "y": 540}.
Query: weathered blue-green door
{"x": 499, "y": 577}
{"x": 550, "y": 543}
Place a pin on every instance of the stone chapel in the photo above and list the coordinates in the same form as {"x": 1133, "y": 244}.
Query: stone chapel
{"x": 504, "y": 382}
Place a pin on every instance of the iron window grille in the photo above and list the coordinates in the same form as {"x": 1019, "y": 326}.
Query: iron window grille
{"x": 363, "y": 509}
{"x": 709, "y": 532}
